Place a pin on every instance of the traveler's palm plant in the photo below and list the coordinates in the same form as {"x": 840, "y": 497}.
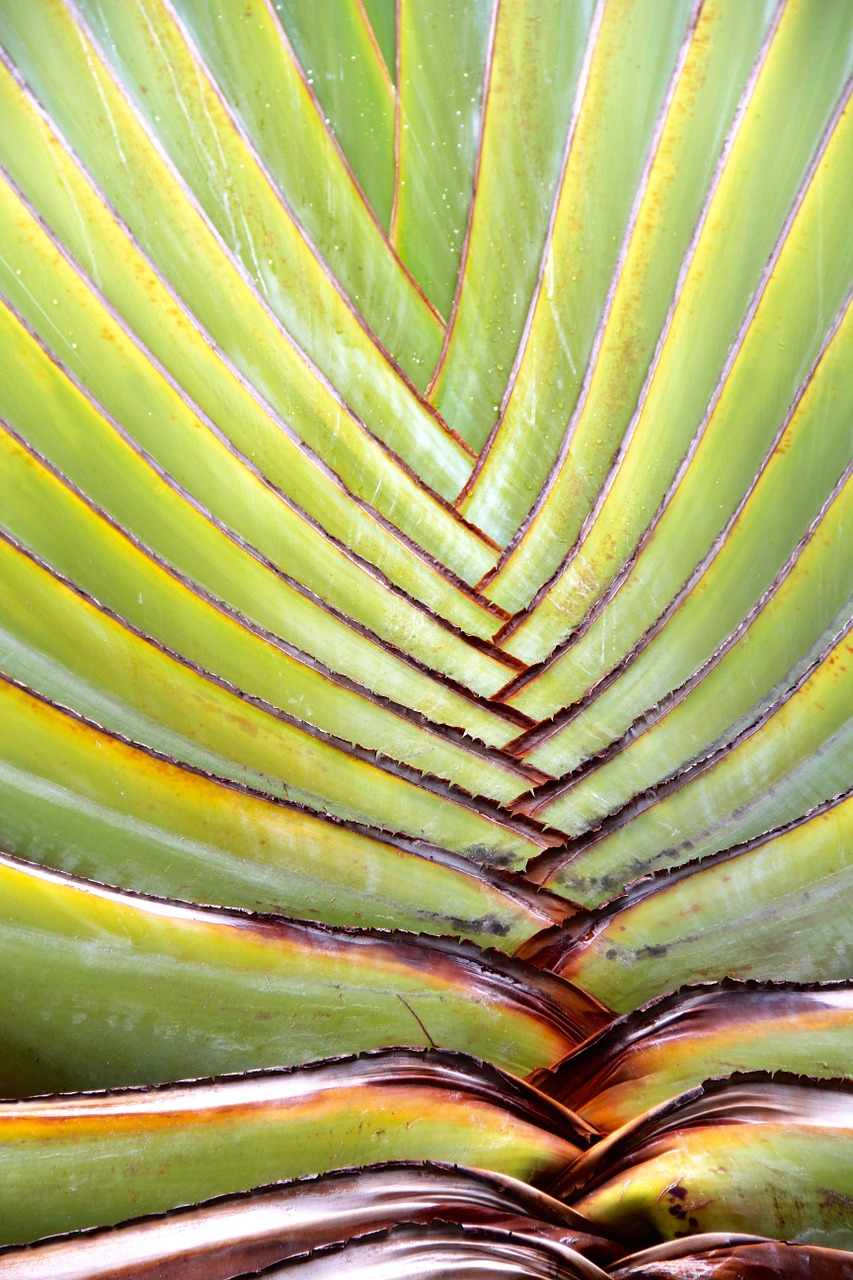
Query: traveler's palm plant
{"x": 426, "y": 735}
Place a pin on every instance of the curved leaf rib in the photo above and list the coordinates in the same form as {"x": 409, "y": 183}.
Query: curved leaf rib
{"x": 198, "y": 991}
{"x": 79, "y": 655}
{"x": 768, "y": 659}
{"x": 84, "y": 1159}
{"x": 185, "y": 111}
{"x": 442, "y": 54}
{"x": 742, "y": 913}
{"x": 234, "y": 1234}
{"x": 775, "y": 515}
{"x": 757, "y": 1155}
{"x": 124, "y": 480}
{"x": 80, "y": 218}
{"x": 676, "y": 1042}
{"x": 145, "y": 191}
{"x": 767, "y": 179}
{"x": 522, "y": 142}
{"x": 622, "y": 96}
{"x": 83, "y": 800}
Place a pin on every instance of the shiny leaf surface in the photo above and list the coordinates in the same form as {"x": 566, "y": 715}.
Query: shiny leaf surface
{"x": 108, "y": 988}
{"x": 76, "y": 1160}
{"x": 425, "y": 481}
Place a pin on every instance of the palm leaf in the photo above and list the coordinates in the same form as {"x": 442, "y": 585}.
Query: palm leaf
{"x": 256, "y": 1229}
{"x": 426, "y": 474}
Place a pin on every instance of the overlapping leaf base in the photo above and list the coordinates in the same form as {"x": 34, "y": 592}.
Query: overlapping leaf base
{"x": 426, "y": 458}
